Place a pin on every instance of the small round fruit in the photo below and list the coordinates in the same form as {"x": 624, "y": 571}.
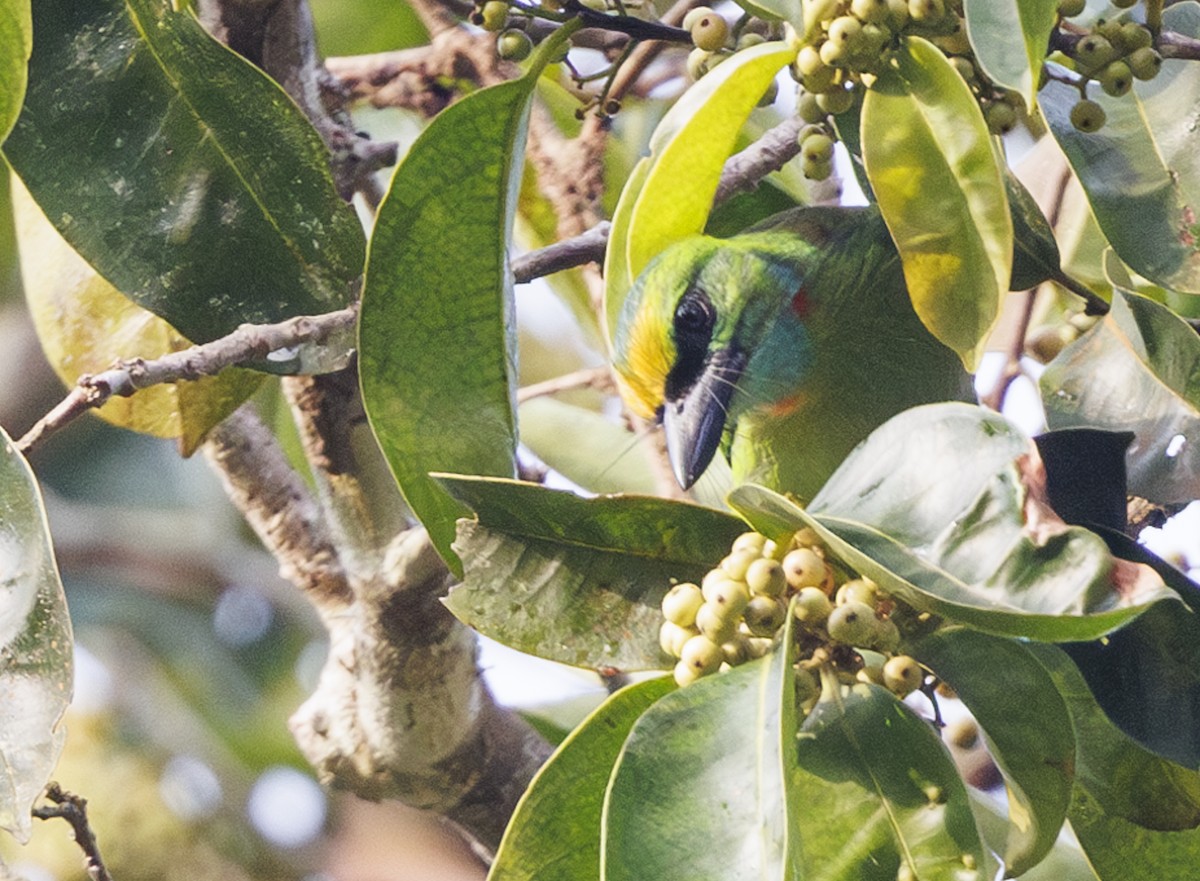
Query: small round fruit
{"x": 702, "y": 655}
{"x": 493, "y": 15}
{"x": 804, "y": 567}
{"x": 514, "y": 45}
{"x": 898, "y": 14}
{"x": 925, "y": 11}
{"x": 832, "y": 55}
{"x": 765, "y": 578}
{"x": 685, "y": 675}
{"x": 1094, "y": 51}
{"x": 874, "y": 11}
{"x": 681, "y": 603}
{"x": 817, "y": 148}
{"x": 749, "y": 541}
{"x": 764, "y": 616}
{"x": 816, "y": 170}
{"x": 1001, "y": 118}
{"x": 1088, "y": 116}
{"x": 1133, "y": 36}
{"x": 874, "y": 38}
{"x": 901, "y": 675}
{"x": 737, "y": 650}
{"x": 698, "y": 63}
{"x": 808, "y": 109}
{"x": 1071, "y": 8}
{"x": 728, "y": 597}
{"x": 709, "y": 31}
{"x": 859, "y": 590}
{"x": 811, "y": 606}
{"x": 1116, "y": 79}
{"x": 807, "y": 687}
{"x": 837, "y": 101}
{"x": 852, "y": 623}
{"x": 963, "y": 734}
{"x": 886, "y": 636}
{"x": 845, "y": 31}
{"x": 965, "y": 68}
{"x": 671, "y": 637}
{"x": 1144, "y": 63}
{"x": 770, "y": 94}
{"x": 694, "y": 15}
{"x": 745, "y": 41}
{"x": 717, "y": 627}
{"x": 736, "y": 564}
{"x": 872, "y": 669}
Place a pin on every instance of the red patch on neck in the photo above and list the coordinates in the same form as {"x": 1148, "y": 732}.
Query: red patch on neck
{"x": 800, "y": 304}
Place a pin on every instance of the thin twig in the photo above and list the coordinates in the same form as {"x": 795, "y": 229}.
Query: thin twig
{"x": 73, "y": 809}
{"x": 249, "y": 343}
{"x": 589, "y": 377}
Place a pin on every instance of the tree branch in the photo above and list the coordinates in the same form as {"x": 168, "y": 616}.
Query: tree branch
{"x": 73, "y": 809}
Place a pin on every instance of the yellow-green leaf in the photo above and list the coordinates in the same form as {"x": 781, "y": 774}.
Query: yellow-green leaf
{"x": 16, "y": 42}
{"x": 1010, "y": 39}
{"x": 617, "y": 276}
{"x": 937, "y": 176}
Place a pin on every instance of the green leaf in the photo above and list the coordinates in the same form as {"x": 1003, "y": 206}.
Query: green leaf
{"x": 618, "y": 278}
{"x": 689, "y": 149}
{"x": 578, "y": 580}
{"x": 936, "y": 175}
{"x": 1141, "y": 352}
{"x": 179, "y": 170}
{"x": 35, "y": 646}
{"x": 702, "y": 789}
{"x": 1036, "y": 257}
{"x": 942, "y": 507}
{"x": 554, "y": 834}
{"x": 436, "y": 338}
{"x": 1135, "y": 814}
{"x": 1140, "y": 172}
{"x": 83, "y": 323}
{"x": 774, "y": 10}
{"x": 1065, "y": 862}
{"x": 1027, "y": 726}
{"x": 16, "y": 42}
{"x": 888, "y": 757}
{"x": 1010, "y": 40}
{"x": 589, "y": 450}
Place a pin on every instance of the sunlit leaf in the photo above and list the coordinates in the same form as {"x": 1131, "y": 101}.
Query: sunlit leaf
{"x": 774, "y": 10}
{"x": 1027, "y": 727}
{"x": 35, "y": 645}
{"x": 179, "y": 170}
{"x": 1138, "y": 370}
{"x": 885, "y": 755}
{"x": 943, "y": 507}
{"x": 554, "y": 834}
{"x": 936, "y": 175}
{"x": 16, "y": 42}
{"x": 578, "y": 580}
{"x": 437, "y": 344}
{"x": 689, "y": 149}
{"x": 84, "y": 323}
{"x": 703, "y": 786}
{"x": 618, "y": 278}
{"x": 1010, "y": 40}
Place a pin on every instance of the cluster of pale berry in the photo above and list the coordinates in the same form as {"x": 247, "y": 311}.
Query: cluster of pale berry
{"x": 735, "y": 614}
{"x": 512, "y": 44}
{"x": 1113, "y": 53}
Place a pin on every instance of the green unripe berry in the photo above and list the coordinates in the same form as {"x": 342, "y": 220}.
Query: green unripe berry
{"x": 1001, "y": 118}
{"x": 493, "y": 15}
{"x": 712, "y": 623}
{"x": 1071, "y": 8}
{"x": 956, "y": 42}
{"x": 737, "y": 650}
{"x": 873, "y": 11}
{"x": 697, "y": 64}
{"x": 874, "y": 37}
{"x": 832, "y": 55}
{"x": 816, "y": 170}
{"x": 514, "y": 45}
{"x": 702, "y": 655}
{"x": 811, "y": 607}
{"x": 820, "y": 77}
{"x": 1094, "y": 51}
{"x": 1109, "y": 28}
{"x": 685, "y": 675}
{"x": 671, "y": 637}
{"x": 765, "y": 578}
{"x": 898, "y": 14}
{"x": 808, "y": 61}
{"x": 804, "y": 567}
{"x": 820, "y": 11}
{"x": 837, "y": 101}
{"x": 1130, "y": 36}
{"x": 749, "y": 541}
{"x": 901, "y": 675}
{"x": 694, "y": 15}
{"x": 845, "y": 31}
{"x": 1116, "y": 79}
{"x": 1124, "y": 4}
{"x": 709, "y": 31}
{"x": 1088, "y": 116}
{"x": 965, "y": 68}
{"x": 770, "y": 94}
{"x": 852, "y": 623}
{"x": 1144, "y": 63}
{"x": 858, "y": 590}
{"x": 817, "y": 148}
{"x": 736, "y": 564}
{"x": 745, "y": 41}
{"x": 764, "y": 615}
{"x": 872, "y": 668}
{"x": 926, "y": 11}
{"x": 681, "y": 604}
{"x": 886, "y": 637}
{"x": 808, "y": 689}
{"x": 808, "y": 109}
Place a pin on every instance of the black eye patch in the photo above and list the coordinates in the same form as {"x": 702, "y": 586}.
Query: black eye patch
{"x": 692, "y": 328}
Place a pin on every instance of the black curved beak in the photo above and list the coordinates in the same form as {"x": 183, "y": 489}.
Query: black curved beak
{"x": 694, "y": 420}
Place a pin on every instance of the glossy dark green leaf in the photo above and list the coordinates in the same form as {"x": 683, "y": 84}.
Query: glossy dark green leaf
{"x": 16, "y": 42}
{"x": 1135, "y": 814}
{"x": 179, "y": 170}
{"x": 1010, "y": 39}
{"x": 702, "y": 789}
{"x": 1141, "y": 172}
{"x": 1138, "y": 370}
{"x": 936, "y": 175}
{"x": 942, "y": 507}
{"x": 1035, "y": 250}
{"x": 892, "y": 759}
{"x": 437, "y": 345}
{"x": 35, "y": 645}
{"x": 578, "y": 580}
{"x": 554, "y": 835}
{"x": 1027, "y": 726}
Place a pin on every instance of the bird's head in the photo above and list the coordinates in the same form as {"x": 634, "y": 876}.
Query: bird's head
{"x": 712, "y": 330}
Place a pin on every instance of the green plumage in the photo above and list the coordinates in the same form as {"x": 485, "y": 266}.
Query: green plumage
{"x": 785, "y": 345}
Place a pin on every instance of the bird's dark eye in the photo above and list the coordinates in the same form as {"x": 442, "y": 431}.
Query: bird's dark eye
{"x": 694, "y": 316}
{"x": 692, "y": 326}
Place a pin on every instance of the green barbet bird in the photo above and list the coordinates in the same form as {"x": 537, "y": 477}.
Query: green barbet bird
{"x": 783, "y": 346}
